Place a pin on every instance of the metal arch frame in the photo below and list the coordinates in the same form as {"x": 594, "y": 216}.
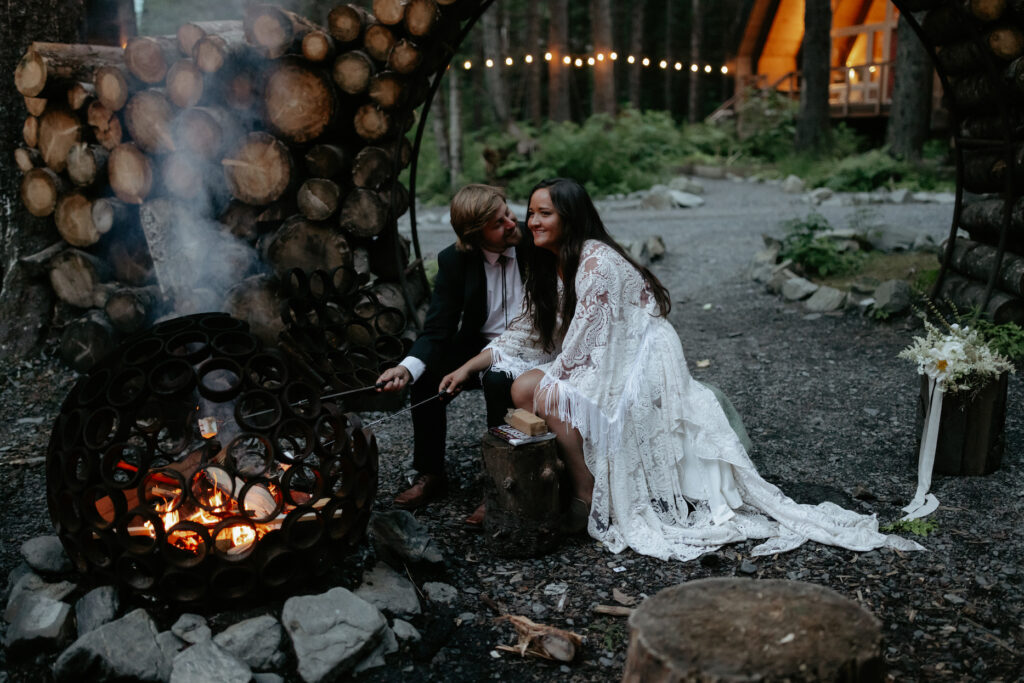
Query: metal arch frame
{"x": 959, "y": 143}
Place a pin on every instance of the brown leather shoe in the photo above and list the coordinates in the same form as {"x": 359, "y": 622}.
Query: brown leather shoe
{"x": 426, "y": 488}
{"x": 476, "y": 520}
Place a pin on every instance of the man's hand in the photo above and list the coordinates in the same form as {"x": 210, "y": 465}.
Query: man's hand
{"x": 452, "y": 382}
{"x": 394, "y": 378}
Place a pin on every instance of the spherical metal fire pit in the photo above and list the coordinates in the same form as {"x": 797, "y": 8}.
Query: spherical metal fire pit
{"x": 195, "y": 464}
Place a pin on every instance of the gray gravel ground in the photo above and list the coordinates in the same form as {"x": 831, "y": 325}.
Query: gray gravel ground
{"x": 831, "y": 412}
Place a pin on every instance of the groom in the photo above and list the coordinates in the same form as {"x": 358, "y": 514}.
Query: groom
{"x": 478, "y": 290}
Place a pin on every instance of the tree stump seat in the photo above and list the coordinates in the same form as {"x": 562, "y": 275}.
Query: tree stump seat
{"x": 728, "y": 629}
{"x": 522, "y": 495}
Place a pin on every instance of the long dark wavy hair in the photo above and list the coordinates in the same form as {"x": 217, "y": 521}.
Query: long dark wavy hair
{"x": 580, "y": 222}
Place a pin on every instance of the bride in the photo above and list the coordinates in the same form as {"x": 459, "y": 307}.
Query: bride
{"x": 654, "y": 464}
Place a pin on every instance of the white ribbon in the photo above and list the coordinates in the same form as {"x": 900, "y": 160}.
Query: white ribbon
{"x": 925, "y": 503}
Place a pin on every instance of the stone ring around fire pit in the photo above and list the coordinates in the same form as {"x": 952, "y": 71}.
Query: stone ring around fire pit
{"x": 195, "y": 464}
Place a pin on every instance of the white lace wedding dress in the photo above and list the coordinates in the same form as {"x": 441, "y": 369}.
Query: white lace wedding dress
{"x": 654, "y": 437}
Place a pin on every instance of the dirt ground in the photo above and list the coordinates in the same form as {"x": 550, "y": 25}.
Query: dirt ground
{"x": 830, "y": 410}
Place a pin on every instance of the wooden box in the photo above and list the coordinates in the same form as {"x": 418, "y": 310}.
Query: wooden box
{"x": 972, "y": 432}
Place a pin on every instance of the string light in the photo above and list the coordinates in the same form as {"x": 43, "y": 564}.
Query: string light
{"x": 592, "y": 60}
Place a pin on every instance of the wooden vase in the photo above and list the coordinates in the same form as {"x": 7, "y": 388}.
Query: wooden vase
{"x": 972, "y": 431}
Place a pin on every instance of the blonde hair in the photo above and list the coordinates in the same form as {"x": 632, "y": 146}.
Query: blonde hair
{"x": 472, "y": 208}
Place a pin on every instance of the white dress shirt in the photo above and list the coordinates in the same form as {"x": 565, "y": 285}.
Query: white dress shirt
{"x": 504, "y": 301}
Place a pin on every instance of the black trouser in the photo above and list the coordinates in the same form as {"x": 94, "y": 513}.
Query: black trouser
{"x": 430, "y": 420}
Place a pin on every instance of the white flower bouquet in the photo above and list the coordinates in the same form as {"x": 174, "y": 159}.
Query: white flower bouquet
{"x": 957, "y": 359}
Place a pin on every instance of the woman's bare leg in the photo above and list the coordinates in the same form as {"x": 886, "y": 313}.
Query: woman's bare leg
{"x": 569, "y": 440}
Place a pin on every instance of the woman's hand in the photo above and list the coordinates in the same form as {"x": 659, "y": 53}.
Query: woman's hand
{"x": 453, "y": 381}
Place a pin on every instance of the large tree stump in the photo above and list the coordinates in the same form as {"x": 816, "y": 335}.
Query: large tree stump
{"x": 521, "y": 491}
{"x": 728, "y": 629}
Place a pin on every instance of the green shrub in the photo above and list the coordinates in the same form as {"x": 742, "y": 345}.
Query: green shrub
{"x": 1006, "y": 338}
{"x": 814, "y": 253}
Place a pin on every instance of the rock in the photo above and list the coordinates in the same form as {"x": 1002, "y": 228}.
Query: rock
{"x": 924, "y": 242}
{"x": 684, "y": 184}
{"x": 32, "y": 583}
{"x": 780, "y": 275}
{"x": 658, "y": 198}
{"x": 819, "y": 194}
{"x": 900, "y": 196}
{"x": 747, "y": 567}
{"x": 256, "y": 641}
{"x": 706, "y": 171}
{"x": 191, "y": 628}
{"x": 37, "y": 623}
{"x": 440, "y": 592}
{"x": 266, "y": 678}
{"x": 386, "y": 646}
{"x": 405, "y": 631}
{"x": 387, "y": 590}
{"x": 891, "y": 238}
{"x": 637, "y": 250}
{"x": 893, "y": 296}
{"x": 865, "y": 285}
{"x": 655, "y": 247}
{"x": 204, "y": 661}
{"x": 399, "y": 538}
{"x": 826, "y": 299}
{"x": 97, "y": 607}
{"x": 331, "y": 632}
{"x": 798, "y": 288}
{"x": 761, "y": 272}
{"x": 685, "y": 199}
{"x": 46, "y": 554}
{"x": 124, "y": 649}
{"x": 792, "y": 185}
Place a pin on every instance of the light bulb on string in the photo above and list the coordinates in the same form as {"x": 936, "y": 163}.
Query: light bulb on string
{"x": 613, "y": 56}
{"x": 678, "y": 66}
{"x": 600, "y": 56}
{"x": 646, "y": 61}
{"x": 489, "y": 63}
{"x": 547, "y": 56}
{"x": 567, "y": 60}
{"x": 707, "y": 68}
{"x": 590, "y": 61}
{"x": 725, "y": 69}
{"x": 528, "y": 59}
{"x": 509, "y": 61}
{"x": 663, "y": 64}
{"x": 631, "y": 59}
{"x": 693, "y": 68}
{"x": 467, "y": 65}
{"x": 579, "y": 62}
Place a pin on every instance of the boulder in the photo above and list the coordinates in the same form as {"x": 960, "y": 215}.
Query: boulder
{"x": 33, "y": 583}
{"x": 37, "y": 623}
{"x": 46, "y": 554}
{"x": 792, "y": 185}
{"x": 658, "y": 198}
{"x": 684, "y": 184}
{"x": 798, "y": 288}
{"x": 440, "y": 592}
{"x": 894, "y": 297}
{"x": 403, "y": 630}
{"x": 191, "y": 628}
{"x": 205, "y": 661}
{"x": 256, "y": 641}
{"x": 331, "y": 633}
{"x": 399, "y": 538}
{"x": 685, "y": 199}
{"x": 826, "y": 299}
{"x": 389, "y": 591}
{"x": 97, "y": 607}
{"x": 126, "y": 649}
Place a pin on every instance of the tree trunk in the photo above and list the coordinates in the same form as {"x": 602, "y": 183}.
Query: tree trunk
{"x": 558, "y": 73}
{"x": 910, "y": 115}
{"x": 535, "y": 47}
{"x": 688, "y": 633}
{"x": 454, "y": 130}
{"x": 438, "y": 121}
{"x": 521, "y": 491}
{"x": 636, "y": 46}
{"x": 497, "y": 92}
{"x": 670, "y": 56}
{"x": 812, "y": 124}
{"x": 693, "y": 104}
{"x": 604, "y": 69}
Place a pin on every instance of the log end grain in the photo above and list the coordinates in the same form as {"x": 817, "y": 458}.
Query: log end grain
{"x": 299, "y": 102}
{"x": 259, "y": 170}
{"x": 131, "y": 173}
{"x": 30, "y": 74}
{"x": 40, "y": 189}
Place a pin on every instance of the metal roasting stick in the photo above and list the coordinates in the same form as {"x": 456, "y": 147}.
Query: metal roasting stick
{"x": 440, "y": 396}
{"x": 378, "y": 385}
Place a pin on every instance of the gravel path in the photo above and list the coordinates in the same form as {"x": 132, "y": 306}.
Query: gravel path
{"x": 831, "y": 412}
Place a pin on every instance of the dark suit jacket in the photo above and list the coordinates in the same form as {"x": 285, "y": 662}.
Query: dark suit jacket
{"x": 458, "y": 307}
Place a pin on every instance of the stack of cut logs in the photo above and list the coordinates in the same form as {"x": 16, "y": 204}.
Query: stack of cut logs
{"x": 980, "y": 46}
{"x": 192, "y": 172}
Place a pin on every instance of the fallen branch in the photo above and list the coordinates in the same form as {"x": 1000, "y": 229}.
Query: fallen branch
{"x": 538, "y": 640}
